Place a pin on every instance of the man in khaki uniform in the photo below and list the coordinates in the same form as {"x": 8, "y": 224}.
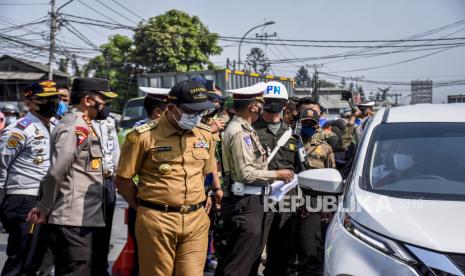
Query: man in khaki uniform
{"x": 247, "y": 177}
{"x": 309, "y": 236}
{"x": 71, "y": 194}
{"x": 171, "y": 156}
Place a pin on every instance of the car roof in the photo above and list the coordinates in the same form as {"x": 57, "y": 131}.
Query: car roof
{"x": 427, "y": 113}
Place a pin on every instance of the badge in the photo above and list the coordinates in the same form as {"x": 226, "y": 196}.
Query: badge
{"x": 81, "y": 135}
{"x": 318, "y": 150}
{"x": 293, "y": 147}
{"x": 38, "y": 160}
{"x": 164, "y": 169}
{"x": 12, "y": 142}
{"x": 201, "y": 144}
{"x": 95, "y": 164}
{"x": 248, "y": 141}
{"x": 162, "y": 149}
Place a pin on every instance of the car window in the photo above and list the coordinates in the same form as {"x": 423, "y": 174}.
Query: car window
{"x": 134, "y": 109}
{"x": 417, "y": 160}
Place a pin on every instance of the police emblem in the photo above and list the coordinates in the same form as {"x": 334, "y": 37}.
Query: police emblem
{"x": 95, "y": 164}
{"x": 14, "y": 140}
{"x": 81, "y": 135}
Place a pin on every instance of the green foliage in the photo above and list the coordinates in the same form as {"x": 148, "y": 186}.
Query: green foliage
{"x": 327, "y": 84}
{"x": 174, "y": 41}
{"x": 302, "y": 78}
{"x": 257, "y": 61}
{"x": 114, "y": 64}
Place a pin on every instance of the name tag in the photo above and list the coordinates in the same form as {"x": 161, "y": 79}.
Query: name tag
{"x": 162, "y": 149}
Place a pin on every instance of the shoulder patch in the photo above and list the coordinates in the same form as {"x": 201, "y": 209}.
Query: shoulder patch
{"x": 14, "y": 140}
{"x": 24, "y": 123}
{"x": 81, "y": 135}
{"x": 204, "y": 127}
{"x": 146, "y": 127}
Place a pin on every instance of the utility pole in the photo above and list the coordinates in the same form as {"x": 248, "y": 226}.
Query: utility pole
{"x": 53, "y": 28}
{"x": 265, "y": 37}
{"x": 315, "y": 82}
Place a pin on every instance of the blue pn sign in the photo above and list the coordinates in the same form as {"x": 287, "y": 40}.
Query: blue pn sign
{"x": 274, "y": 89}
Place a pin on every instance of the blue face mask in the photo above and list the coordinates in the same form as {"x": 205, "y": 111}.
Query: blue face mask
{"x": 307, "y": 131}
{"x": 62, "y": 108}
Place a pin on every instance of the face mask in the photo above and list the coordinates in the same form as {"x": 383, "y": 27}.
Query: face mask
{"x": 273, "y": 106}
{"x": 103, "y": 113}
{"x": 48, "y": 109}
{"x": 402, "y": 161}
{"x": 10, "y": 119}
{"x": 307, "y": 131}
{"x": 187, "y": 122}
{"x": 62, "y": 109}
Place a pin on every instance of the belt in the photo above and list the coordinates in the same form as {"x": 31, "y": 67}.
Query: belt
{"x": 184, "y": 209}
{"x": 107, "y": 174}
{"x": 239, "y": 188}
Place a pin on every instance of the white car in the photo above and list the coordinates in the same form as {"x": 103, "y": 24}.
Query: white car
{"x": 403, "y": 209}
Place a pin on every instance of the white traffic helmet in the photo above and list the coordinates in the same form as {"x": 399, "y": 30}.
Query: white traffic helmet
{"x": 275, "y": 90}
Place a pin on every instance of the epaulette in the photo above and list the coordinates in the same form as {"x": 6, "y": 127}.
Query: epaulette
{"x": 24, "y": 123}
{"x": 247, "y": 127}
{"x": 146, "y": 127}
{"x": 204, "y": 127}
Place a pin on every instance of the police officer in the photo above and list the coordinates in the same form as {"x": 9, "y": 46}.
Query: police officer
{"x": 278, "y": 228}
{"x": 244, "y": 162}
{"x": 309, "y": 237}
{"x": 155, "y": 102}
{"x": 365, "y": 118}
{"x": 24, "y": 160}
{"x": 106, "y": 130}
{"x": 72, "y": 192}
{"x": 171, "y": 157}
{"x": 11, "y": 113}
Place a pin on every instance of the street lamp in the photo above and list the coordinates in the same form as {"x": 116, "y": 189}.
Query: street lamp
{"x": 240, "y": 43}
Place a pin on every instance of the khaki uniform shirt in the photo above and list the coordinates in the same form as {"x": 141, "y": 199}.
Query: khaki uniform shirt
{"x": 244, "y": 158}
{"x": 171, "y": 164}
{"x": 72, "y": 190}
{"x": 319, "y": 153}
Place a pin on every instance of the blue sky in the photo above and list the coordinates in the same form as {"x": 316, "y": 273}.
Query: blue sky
{"x": 298, "y": 19}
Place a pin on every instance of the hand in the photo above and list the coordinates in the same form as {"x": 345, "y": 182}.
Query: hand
{"x": 208, "y": 204}
{"x": 356, "y": 112}
{"x": 220, "y": 123}
{"x": 36, "y": 217}
{"x": 218, "y": 197}
{"x": 284, "y": 175}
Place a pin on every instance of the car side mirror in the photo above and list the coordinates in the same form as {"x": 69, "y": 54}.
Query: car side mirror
{"x": 322, "y": 180}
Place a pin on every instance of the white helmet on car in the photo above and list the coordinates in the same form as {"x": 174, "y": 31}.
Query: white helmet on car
{"x": 275, "y": 90}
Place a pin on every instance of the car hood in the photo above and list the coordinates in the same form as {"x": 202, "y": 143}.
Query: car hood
{"x": 433, "y": 224}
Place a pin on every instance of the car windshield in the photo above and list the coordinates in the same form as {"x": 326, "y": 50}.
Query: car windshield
{"x": 134, "y": 109}
{"x": 417, "y": 160}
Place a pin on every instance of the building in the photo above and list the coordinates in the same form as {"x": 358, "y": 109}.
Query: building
{"x": 16, "y": 74}
{"x": 329, "y": 98}
{"x": 421, "y": 91}
{"x": 456, "y": 98}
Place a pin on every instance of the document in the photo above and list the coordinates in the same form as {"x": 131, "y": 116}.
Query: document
{"x": 279, "y": 188}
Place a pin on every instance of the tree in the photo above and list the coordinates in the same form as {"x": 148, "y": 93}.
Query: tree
{"x": 361, "y": 92}
{"x": 63, "y": 66}
{"x": 302, "y": 78}
{"x": 327, "y": 84}
{"x": 114, "y": 63}
{"x": 257, "y": 61}
{"x": 174, "y": 41}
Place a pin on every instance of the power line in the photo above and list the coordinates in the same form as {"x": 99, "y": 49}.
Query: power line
{"x": 89, "y": 7}
{"x": 127, "y": 9}
{"x": 116, "y": 12}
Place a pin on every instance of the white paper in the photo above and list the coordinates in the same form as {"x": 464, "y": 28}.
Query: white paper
{"x": 279, "y": 188}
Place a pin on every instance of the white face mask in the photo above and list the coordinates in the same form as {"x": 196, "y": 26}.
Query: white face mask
{"x": 187, "y": 122}
{"x": 402, "y": 161}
